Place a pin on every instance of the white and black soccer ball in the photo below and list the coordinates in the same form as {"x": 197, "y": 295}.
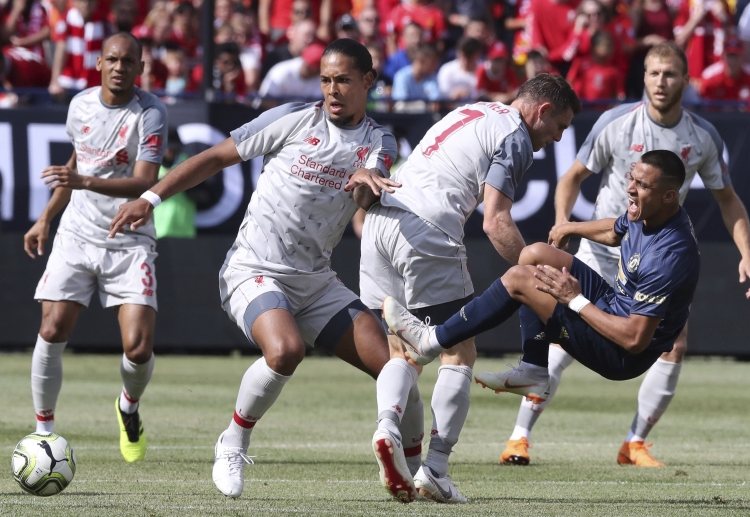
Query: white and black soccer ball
{"x": 43, "y": 464}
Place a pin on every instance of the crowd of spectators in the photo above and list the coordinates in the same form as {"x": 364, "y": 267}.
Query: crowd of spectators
{"x": 424, "y": 50}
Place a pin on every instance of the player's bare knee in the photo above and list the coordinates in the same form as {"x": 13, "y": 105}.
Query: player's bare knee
{"x": 533, "y": 254}
{"x": 516, "y": 278}
{"x": 139, "y": 350}
{"x": 284, "y": 357}
{"x": 54, "y": 330}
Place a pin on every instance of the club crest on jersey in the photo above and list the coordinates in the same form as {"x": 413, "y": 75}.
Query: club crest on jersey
{"x": 685, "y": 152}
{"x": 638, "y": 148}
{"x": 259, "y": 281}
{"x": 312, "y": 140}
{"x": 633, "y": 263}
{"x": 361, "y": 153}
{"x": 85, "y": 130}
{"x": 122, "y": 134}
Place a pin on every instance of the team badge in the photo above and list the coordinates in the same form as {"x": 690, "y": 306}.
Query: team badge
{"x": 633, "y": 263}
{"x": 361, "y": 153}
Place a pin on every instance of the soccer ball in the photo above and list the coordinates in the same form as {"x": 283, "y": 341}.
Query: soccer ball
{"x": 43, "y": 464}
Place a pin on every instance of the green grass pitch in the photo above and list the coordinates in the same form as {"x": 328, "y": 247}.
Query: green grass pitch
{"x": 313, "y": 455}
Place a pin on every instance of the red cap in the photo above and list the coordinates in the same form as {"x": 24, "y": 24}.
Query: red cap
{"x": 313, "y": 54}
{"x": 497, "y": 51}
{"x": 733, "y": 45}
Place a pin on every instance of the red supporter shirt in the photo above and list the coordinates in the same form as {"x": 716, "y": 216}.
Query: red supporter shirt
{"x": 502, "y": 84}
{"x": 594, "y": 81}
{"x": 716, "y": 84}
{"x": 25, "y": 69}
{"x": 280, "y": 16}
{"x": 83, "y": 45}
{"x": 552, "y": 25}
{"x": 704, "y": 47}
{"x": 36, "y": 21}
{"x": 429, "y": 17}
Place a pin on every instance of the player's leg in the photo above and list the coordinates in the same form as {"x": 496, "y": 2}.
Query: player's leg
{"x": 516, "y": 450}
{"x": 450, "y": 407}
{"x": 384, "y": 245}
{"x": 365, "y": 346}
{"x": 127, "y": 281}
{"x": 491, "y": 308}
{"x": 264, "y": 314}
{"x": 435, "y": 283}
{"x": 137, "y": 326}
{"x": 64, "y": 289}
{"x": 656, "y": 392}
{"x": 58, "y": 320}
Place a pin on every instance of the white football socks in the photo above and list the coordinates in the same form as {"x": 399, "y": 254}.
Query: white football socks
{"x": 412, "y": 429}
{"x": 135, "y": 378}
{"x": 392, "y": 390}
{"x": 46, "y": 381}
{"x": 656, "y": 392}
{"x": 259, "y": 389}
{"x": 450, "y": 405}
{"x": 528, "y": 412}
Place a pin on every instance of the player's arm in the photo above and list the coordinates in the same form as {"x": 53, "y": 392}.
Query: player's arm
{"x": 367, "y": 184}
{"x": 144, "y": 175}
{"x": 184, "y": 176}
{"x": 734, "y": 214}
{"x": 499, "y": 226}
{"x": 568, "y": 189}
{"x": 601, "y": 231}
{"x": 35, "y": 239}
{"x": 633, "y": 332}
{"x": 58, "y": 60}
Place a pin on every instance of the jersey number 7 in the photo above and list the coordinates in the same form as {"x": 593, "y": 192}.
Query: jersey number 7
{"x": 469, "y": 115}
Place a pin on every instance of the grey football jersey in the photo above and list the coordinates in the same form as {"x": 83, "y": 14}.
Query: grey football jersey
{"x": 108, "y": 140}
{"x": 623, "y": 134}
{"x": 299, "y": 209}
{"x": 443, "y": 178}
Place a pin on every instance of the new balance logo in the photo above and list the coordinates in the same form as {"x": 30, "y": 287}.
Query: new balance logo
{"x": 312, "y": 140}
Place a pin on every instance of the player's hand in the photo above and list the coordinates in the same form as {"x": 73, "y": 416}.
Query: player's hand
{"x": 35, "y": 239}
{"x": 744, "y": 268}
{"x": 376, "y": 182}
{"x": 62, "y": 176}
{"x": 558, "y": 237}
{"x": 561, "y": 285}
{"x": 134, "y": 214}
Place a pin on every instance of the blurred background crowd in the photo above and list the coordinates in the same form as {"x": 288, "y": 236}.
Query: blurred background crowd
{"x": 425, "y": 51}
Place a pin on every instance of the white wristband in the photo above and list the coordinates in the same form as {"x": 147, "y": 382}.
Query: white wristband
{"x": 578, "y": 303}
{"x": 152, "y": 198}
